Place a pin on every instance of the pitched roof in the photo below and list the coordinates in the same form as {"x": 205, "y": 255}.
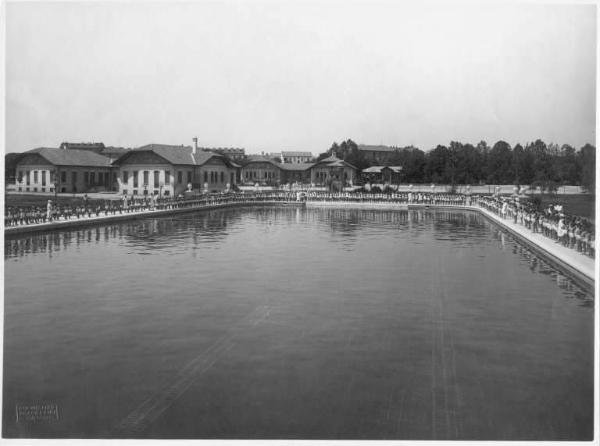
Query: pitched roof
{"x": 379, "y": 169}
{"x": 71, "y": 157}
{"x": 113, "y": 150}
{"x": 376, "y": 148}
{"x": 296, "y": 166}
{"x": 334, "y": 161}
{"x": 179, "y": 155}
{"x": 261, "y": 159}
{"x": 373, "y": 169}
{"x": 329, "y": 159}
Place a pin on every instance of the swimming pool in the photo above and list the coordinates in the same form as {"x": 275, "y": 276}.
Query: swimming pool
{"x": 295, "y": 323}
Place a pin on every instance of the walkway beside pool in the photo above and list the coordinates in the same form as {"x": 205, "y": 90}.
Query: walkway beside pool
{"x": 577, "y": 264}
{"x": 576, "y": 261}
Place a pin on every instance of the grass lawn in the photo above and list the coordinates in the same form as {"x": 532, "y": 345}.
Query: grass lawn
{"x": 580, "y": 204}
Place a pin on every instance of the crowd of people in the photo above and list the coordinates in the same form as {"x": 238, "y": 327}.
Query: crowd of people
{"x": 54, "y": 212}
{"x": 570, "y": 230}
{"x": 438, "y": 199}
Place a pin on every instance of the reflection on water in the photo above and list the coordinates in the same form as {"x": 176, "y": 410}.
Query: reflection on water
{"x": 295, "y": 323}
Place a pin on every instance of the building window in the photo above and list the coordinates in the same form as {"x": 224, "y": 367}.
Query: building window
{"x": 231, "y": 177}
{"x": 205, "y": 176}
{"x": 125, "y": 177}
{"x": 179, "y": 177}
{"x": 146, "y": 178}
{"x": 145, "y": 191}
{"x": 156, "y": 178}
{"x": 43, "y": 177}
{"x": 27, "y": 178}
{"x": 63, "y": 177}
{"x": 155, "y": 192}
{"x": 35, "y": 177}
{"x": 135, "y": 192}
{"x": 124, "y": 191}
{"x": 35, "y": 189}
{"x": 135, "y": 179}
{"x": 189, "y": 176}
{"x": 73, "y": 180}
{"x": 43, "y": 189}
{"x": 167, "y": 177}
{"x": 86, "y": 177}
{"x": 222, "y": 177}
{"x": 107, "y": 179}
{"x": 166, "y": 193}
{"x": 92, "y": 178}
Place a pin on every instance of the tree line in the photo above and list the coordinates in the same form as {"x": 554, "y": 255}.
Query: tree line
{"x": 547, "y": 166}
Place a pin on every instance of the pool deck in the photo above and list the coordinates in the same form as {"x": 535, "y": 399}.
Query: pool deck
{"x": 137, "y": 215}
{"x": 580, "y": 266}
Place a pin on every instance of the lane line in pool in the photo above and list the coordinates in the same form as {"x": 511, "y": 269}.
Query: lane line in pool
{"x": 149, "y": 410}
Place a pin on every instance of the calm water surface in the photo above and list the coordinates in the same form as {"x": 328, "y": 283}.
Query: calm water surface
{"x": 295, "y": 323}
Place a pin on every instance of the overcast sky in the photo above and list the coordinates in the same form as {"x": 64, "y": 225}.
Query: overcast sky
{"x": 269, "y": 76}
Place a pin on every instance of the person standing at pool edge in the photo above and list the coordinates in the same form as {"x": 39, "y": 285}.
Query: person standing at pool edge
{"x": 49, "y": 211}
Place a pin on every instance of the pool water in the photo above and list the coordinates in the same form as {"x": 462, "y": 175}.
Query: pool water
{"x": 295, "y": 323}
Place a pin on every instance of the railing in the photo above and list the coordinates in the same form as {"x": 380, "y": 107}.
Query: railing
{"x": 576, "y": 233}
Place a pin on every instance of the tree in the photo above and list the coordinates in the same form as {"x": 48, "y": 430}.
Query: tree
{"x": 544, "y": 175}
{"x": 499, "y": 164}
{"x": 566, "y": 165}
{"x": 483, "y": 151}
{"x": 436, "y": 163}
{"x": 587, "y": 163}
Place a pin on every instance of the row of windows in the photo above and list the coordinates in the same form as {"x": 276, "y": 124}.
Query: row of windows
{"x": 89, "y": 178}
{"x": 155, "y": 177}
{"x": 146, "y": 192}
{"x": 214, "y": 177}
{"x": 256, "y": 174}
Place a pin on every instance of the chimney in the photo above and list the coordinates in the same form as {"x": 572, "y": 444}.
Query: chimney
{"x": 195, "y": 139}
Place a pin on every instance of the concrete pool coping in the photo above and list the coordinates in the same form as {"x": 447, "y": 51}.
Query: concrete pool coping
{"x": 137, "y": 215}
{"x": 580, "y": 267}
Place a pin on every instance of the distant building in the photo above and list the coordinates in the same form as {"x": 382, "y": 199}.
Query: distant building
{"x": 91, "y": 146}
{"x": 378, "y": 154}
{"x": 47, "y": 169}
{"x": 295, "y": 157}
{"x": 160, "y": 169}
{"x": 333, "y": 169}
{"x": 112, "y": 153}
{"x": 262, "y": 170}
{"x": 295, "y": 172}
{"x": 383, "y": 174}
{"x": 232, "y": 153}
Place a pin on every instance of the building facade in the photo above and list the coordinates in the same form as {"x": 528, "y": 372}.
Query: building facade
{"x": 164, "y": 170}
{"x": 67, "y": 171}
{"x": 295, "y": 173}
{"x": 378, "y": 155}
{"x": 261, "y": 170}
{"x": 296, "y": 157}
{"x": 383, "y": 174}
{"x": 333, "y": 170}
